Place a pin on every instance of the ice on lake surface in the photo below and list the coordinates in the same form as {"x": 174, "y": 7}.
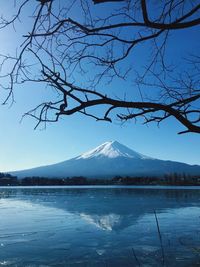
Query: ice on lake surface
{"x": 97, "y": 226}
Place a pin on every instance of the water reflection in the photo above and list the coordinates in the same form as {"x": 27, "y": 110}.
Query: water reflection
{"x": 117, "y": 207}
{"x": 98, "y": 226}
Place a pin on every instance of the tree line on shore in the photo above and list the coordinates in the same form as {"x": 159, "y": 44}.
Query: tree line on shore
{"x": 168, "y": 179}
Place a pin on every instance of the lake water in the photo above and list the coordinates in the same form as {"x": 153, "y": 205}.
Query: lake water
{"x": 98, "y": 226}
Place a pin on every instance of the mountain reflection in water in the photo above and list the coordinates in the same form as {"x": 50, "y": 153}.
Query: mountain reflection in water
{"x": 99, "y": 226}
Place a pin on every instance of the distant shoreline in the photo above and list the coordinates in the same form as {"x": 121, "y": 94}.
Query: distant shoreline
{"x": 166, "y": 180}
{"x": 148, "y": 187}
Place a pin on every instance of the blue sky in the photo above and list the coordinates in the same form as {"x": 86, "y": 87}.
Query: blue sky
{"x": 22, "y": 147}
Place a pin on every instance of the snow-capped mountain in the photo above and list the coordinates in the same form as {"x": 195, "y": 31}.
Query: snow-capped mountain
{"x": 112, "y": 149}
{"x": 108, "y": 160}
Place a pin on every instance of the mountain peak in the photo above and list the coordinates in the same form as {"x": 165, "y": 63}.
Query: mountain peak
{"x": 112, "y": 149}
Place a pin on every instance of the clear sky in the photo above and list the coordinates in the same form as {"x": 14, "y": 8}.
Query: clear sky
{"x": 22, "y": 147}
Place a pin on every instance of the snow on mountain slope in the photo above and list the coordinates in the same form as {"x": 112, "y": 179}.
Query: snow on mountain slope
{"x": 108, "y": 160}
{"x": 112, "y": 149}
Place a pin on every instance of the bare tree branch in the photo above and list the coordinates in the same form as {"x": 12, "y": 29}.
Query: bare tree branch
{"x": 80, "y": 57}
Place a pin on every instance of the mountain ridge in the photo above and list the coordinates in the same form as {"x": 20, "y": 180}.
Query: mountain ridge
{"x": 108, "y": 160}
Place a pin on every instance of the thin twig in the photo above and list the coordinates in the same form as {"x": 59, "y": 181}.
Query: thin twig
{"x": 136, "y": 258}
{"x": 160, "y": 238}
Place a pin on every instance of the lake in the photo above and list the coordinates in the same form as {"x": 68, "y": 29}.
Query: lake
{"x": 99, "y": 226}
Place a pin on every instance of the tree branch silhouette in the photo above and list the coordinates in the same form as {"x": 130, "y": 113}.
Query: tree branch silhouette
{"x": 101, "y": 49}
